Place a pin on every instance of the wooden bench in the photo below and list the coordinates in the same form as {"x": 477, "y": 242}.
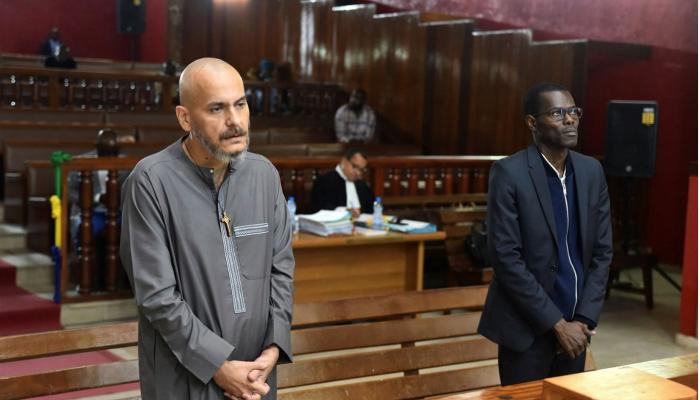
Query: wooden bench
{"x": 84, "y": 131}
{"x": 409, "y": 348}
{"x": 73, "y": 341}
{"x": 365, "y": 338}
{"x": 457, "y": 224}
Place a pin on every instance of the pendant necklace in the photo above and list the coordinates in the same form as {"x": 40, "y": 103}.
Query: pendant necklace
{"x": 224, "y": 219}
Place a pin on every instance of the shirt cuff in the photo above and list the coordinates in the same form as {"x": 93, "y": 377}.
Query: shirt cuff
{"x": 591, "y": 324}
{"x": 279, "y": 335}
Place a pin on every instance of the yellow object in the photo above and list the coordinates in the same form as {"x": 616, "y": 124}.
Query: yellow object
{"x": 56, "y": 215}
{"x": 648, "y": 116}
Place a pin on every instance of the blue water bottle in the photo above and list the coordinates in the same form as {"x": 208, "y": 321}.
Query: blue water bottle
{"x": 377, "y": 218}
{"x": 292, "y": 207}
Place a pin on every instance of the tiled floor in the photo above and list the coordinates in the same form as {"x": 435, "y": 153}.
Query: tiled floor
{"x": 629, "y": 333}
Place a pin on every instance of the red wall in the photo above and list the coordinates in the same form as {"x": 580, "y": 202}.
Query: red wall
{"x": 689, "y": 294}
{"x": 669, "y": 77}
{"x": 89, "y": 27}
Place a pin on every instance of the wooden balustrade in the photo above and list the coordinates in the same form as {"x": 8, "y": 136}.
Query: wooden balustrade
{"x": 393, "y": 177}
{"x": 91, "y": 269}
{"x": 35, "y": 88}
{"x": 54, "y": 89}
{"x": 284, "y": 99}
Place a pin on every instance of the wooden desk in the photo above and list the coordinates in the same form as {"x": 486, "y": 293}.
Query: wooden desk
{"x": 681, "y": 369}
{"x": 339, "y": 267}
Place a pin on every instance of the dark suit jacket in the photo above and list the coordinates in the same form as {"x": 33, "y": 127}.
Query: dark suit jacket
{"x": 329, "y": 192}
{"x": 523, "y": 247}
{"x": 45, "y": 49}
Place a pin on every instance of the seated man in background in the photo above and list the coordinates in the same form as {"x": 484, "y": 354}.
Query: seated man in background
{"x": 52, "y": 43}
{"x": 344, "y": 186}
{"x": 355, "y": 121}
{"x": 62, "y": 59}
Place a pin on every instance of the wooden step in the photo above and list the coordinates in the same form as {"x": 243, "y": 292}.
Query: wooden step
{"x": 12, "y": 238}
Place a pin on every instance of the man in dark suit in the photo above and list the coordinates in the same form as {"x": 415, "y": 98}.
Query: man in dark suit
{"x": 551, "y": 245}
{"x": 344, "y": 186}
{"x": 52, "y": 43}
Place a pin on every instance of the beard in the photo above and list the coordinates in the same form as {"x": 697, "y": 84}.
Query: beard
{"x": 217, "y": 152}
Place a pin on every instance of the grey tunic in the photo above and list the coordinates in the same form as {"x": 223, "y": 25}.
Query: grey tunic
{"x": 204, "y": 297}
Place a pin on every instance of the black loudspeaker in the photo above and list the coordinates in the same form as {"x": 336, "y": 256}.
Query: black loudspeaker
{"x": 631, "y": 143}
{"x": 131, "y": 16}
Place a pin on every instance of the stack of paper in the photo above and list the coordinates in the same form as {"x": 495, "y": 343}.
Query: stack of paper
{"x": 326, "y": 222}
{"x": 410, "y": 226}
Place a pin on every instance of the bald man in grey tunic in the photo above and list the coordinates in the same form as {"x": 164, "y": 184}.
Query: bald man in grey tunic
{"x": 207, "y": 244}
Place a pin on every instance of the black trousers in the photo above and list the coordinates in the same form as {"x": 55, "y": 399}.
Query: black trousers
{"x": 538, "y": 362}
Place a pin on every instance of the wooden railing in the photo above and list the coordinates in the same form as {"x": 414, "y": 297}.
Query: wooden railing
{"x": 36, "y": 88}
{"x": 56, "y": 89}
{"x": 84, "y": 276}
{"x": 394, "y": 177}
{"x": 298, "y": 99}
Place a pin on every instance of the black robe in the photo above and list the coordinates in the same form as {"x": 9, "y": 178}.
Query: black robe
{"x": 329, "y": 192}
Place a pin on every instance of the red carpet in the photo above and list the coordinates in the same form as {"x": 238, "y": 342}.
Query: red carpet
{"x": 22, "y": 311}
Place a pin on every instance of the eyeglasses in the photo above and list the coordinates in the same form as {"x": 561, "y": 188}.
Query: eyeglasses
{"x": 557, "y": 114}
{"x": 361, "y": 170}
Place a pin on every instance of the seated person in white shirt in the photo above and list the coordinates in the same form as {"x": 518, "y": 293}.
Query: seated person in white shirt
{"x": 355, "y": 121}
{"x": 344, "y": 186}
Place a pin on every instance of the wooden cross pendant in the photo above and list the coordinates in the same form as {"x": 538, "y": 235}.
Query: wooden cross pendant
{"x": 226, "y": 221}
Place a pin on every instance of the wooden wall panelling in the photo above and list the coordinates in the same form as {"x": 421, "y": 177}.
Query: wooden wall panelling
{"x": 398, "y": 73}
{"x": 474, "y": 81}
{"x": 512, "y": 133}
{"x": 448, "y": 56}
{"x": 354, "y": 45}
{"x": 239, "y": 37}
{"x": 505, "y": 64}
{"x": 239, "y": 32}
{"x": 196, "y": 29}
{"x": 321, "y": 47}
{"x": 496, "y": 78}
{"x": 307, "y": 39}
{"x": 289, "y": 33}
{"x": 561, "y": 62}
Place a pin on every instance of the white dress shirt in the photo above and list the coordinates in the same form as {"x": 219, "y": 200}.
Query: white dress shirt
{"x": 352, "y": 201}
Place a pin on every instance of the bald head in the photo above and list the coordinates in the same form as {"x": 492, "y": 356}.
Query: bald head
{"x": 214, "y": 110}
{"x": 200, "y": 75}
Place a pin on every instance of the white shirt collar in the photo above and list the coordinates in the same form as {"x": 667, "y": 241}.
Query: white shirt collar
{"x": 352, "y": 200}
{"x": 340, "y": 172}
